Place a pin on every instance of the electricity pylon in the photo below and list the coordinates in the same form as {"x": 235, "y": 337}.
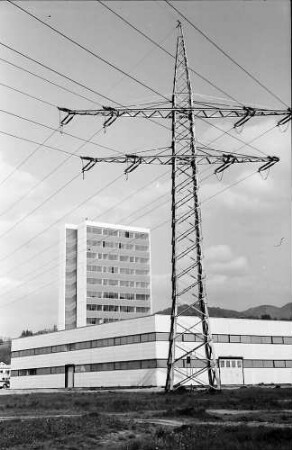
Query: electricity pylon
{"x": 191, "y": 355}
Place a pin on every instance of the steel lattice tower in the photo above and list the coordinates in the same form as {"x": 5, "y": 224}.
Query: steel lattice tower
{"x": 187, "y": 272}
{"x": 191, "y": 356}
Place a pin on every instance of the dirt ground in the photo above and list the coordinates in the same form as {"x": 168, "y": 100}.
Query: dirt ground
{"x": 243, "y": 419}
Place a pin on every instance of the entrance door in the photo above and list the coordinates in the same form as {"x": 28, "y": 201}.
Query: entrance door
{"x": 231, "y": 370}
{"x": 69, "y": 376}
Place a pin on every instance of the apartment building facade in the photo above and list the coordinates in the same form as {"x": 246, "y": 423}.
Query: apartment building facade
{"x": 105, "y": 274}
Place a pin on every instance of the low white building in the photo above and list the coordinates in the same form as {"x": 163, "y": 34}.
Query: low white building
{"x": 134, "y": 353}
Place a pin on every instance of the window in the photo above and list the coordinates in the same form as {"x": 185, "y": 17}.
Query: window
{"x": 287, "y": 339}
{"x": 255, "y": 339}
{"x": 222, "y": 363}
{"x": 91, "y": 321}
{"x": 110, "y": 282}
{"x": 127, "y": 283}
{"x": 42, "y": 350}
{"x": 234, "y": 338}
{"x": 227, "y": 363}
{"x": 148, "y": 337}
{"x": 141, "y": 236}
{"x": 110, "y": 308}
{"x": 268, "y": 363}
{"x": 141, "y": 309}
{"x": 94, "y": 230}
{"x": 45, "y": 370}
{"x": 239, "y": 363}
{"x": 149, "y": 364}
{"x": 126, "y": 296}
{"x": 277, "y": 339}
{"x": 94, "y": 281}
{"x": 279, "y": 363}
{"x": 93, "y": 307}
{"x": 127, "y": 309}
{"x": 59, "y": 348}
{"x": 134, "y": 365}
{"x": 141, "y": 260}
{"x": 124, "y": 258}
{"x": 110, "y": 295}
{"x": 92, "y": 268}
{"x": 110, "y": 232}
{"x": 233, "y": 363}
{"x": 142, "y": 272}
{"x": 142, "y": 284}
{"x": 82, "y": 345}
{"x": 112, "y": 257}
{"x": 142, "y": 297}
{"x": 94, "y": 294}
{"x": 141, "y": 248}
{"x": 82, "y": 368}
{"x": 27, "y": 352}
{"x": 223, "y": 338}
{"x": 126, "y": 271}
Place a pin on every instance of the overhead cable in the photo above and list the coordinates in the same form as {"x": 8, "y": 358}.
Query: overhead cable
{"x": 220, "y": 49}
{"x": 94, "y": 54}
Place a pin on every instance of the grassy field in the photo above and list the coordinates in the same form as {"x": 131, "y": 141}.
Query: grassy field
{"x": 259, "y": 419}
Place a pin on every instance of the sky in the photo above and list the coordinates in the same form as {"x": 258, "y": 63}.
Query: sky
{"x": 246, "y": 217}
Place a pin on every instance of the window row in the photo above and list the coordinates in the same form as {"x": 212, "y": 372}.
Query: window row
{"x": 141, "y": 364}
{"x": 240, "y": 339}
{"x": 98, "y": 343}
{"x": 120, "y": 233}
{"x": 118, "y": 295}
{"x": 117, "y": 308}
{"x": 115, "y": 257}
{"x": 119, "y": 245}
{"x": 99, "y": 320}
{"x": 121, "y": 283}
{"x": 108, "y": 342}
{"x": 115, "y": 270}
{"x": 99, "y": 367}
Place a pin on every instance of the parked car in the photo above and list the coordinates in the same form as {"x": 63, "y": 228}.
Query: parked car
{"x": 4, "y": 384}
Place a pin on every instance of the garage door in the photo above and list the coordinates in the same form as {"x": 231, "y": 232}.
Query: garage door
{"x": 231, "y": 370}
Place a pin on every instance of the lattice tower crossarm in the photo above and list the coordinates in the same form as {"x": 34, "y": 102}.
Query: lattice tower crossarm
{"x": 204, "y": 110}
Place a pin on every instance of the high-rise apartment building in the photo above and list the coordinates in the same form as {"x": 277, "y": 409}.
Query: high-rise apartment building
{"x": 105, "y": 274}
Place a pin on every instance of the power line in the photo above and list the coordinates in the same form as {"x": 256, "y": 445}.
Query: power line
{"x": 25, "y": 160}
{"x": 220, "y": 49}
{"x": 105, "y": 212}
{"x": 63, "y": 216}
{"x": 56, "y": 72}
{"x": 90, "y": 52}
{"x": 76, "y": 82}
{"x": 47, "y": 81}
{"x": 29, "y": 294}
{"x": 26, "y": 94}
{"x": 38, "y": 143}
{"x": 100, "y": 215}
{"x": 164, "y": 49}
{"x": 40, "y": 205}
{"x": 53, "y": 171}
{"x": 57, "y": 129}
